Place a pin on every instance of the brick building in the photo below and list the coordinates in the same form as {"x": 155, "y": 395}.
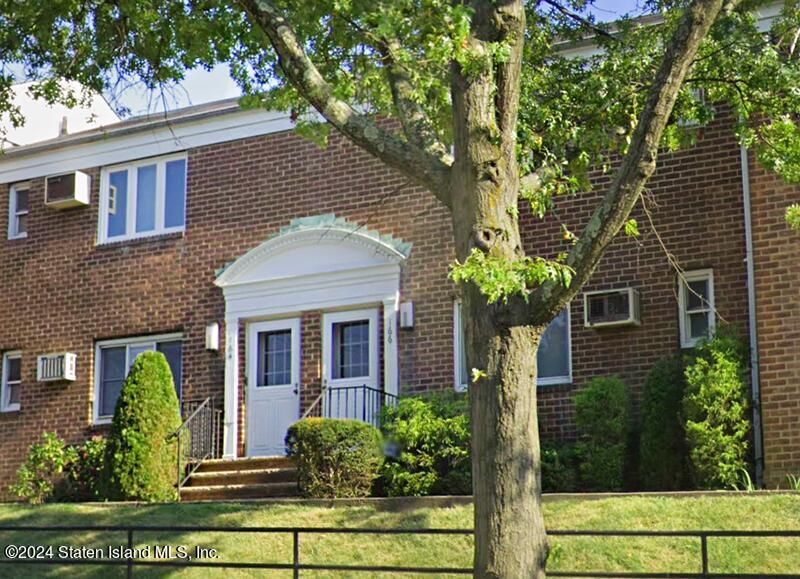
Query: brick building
{"x": 265, "y": 269}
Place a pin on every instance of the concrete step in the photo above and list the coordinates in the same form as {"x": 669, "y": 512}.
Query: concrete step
{"x": 242, "y": 477}
{"x": 234, "y": 492}
{"x": 245, "y": 464}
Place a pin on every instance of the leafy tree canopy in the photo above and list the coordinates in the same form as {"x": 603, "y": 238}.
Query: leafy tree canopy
{"x": 393, "y": 58}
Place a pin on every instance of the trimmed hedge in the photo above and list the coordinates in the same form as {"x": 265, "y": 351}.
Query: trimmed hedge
{"x": 715, "y": 407}
{"x": 336, "y": 458}
{"x": 429, "y": 439}
{"x": 141, "y": 454}
{"x": 662, "y": 448}
{"x": 602, "y": 411}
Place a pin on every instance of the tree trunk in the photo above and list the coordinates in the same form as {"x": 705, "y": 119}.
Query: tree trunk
{"x": 509, "y": 529}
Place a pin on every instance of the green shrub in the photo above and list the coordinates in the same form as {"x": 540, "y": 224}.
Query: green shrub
{"x": 602, "y": 417}
{"x": 715, "y": 410}
{"x": 662, "y": 446}
{"x": 335, "y": 457}
{"x": 559, "y": 468}
{"x": 54, "y": 471}
{"x": 140, "y": 453}
{"x": 430, "y": 441}
{"x": 85, "y": 474}
{"x": 43, "y": 469}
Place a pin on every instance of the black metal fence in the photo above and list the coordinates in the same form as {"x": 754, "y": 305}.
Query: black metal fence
{"x": 296, "y": 564}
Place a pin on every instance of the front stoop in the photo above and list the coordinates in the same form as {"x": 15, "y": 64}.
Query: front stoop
{"x": 250, "y": 478}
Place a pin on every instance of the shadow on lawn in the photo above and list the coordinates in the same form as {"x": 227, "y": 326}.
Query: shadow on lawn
{"x": 261, "y": 548}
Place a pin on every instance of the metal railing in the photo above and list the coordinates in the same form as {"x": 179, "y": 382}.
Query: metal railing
{"x": 198, "y": 437}
{"x": 359, "y": 402}
{"x": 296, "y": 564}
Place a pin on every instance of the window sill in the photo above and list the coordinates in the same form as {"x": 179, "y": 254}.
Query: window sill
{"x": 557, "y": 381}
{"x": 17, "y": 237}
{"x": 133, "y": 241}
{"x": 10, "y": 410}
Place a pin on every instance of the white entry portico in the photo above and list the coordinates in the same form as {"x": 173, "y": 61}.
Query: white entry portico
{"x": 316, "y": 263}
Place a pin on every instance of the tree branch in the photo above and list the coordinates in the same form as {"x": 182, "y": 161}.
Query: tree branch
{"x": 638, "y": 164}
{"x": 424, "y": 167}
{"x": 585, "y": 22}
{"x": 416, "y": 125}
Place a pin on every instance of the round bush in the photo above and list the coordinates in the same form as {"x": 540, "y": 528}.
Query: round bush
{"x": 431, "y": 439}
{"x": 141, "y": 454}
{"x": 558, "y": 467}
{"x": 662, "y": 448}
{"x": 716, "y": 412}
{"x": 335, "y": 457}
{"x": 602, "y": 411}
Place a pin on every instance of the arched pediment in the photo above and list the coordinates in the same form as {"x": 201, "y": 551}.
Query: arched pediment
{"x": 313, "y": 246}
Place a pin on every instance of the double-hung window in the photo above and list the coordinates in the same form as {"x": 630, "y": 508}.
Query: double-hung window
{"x": 143, "y": 199}
{"x": 113, "y": 360}
{"x": 553, "y": 358}
{"x": 11, "y": 380}
{"x": 696, "y": 306}
{"x": 18, "y": 199}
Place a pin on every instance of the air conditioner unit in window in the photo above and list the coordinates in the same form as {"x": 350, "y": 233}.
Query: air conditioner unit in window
{"x": 68, "y": 190}
{"x": 619, "y": 307}
{"x": 56, "y": 367}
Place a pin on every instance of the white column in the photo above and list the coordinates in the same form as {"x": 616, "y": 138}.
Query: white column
{"x": 391, "y": 376}
{"x": 230, "y": 445}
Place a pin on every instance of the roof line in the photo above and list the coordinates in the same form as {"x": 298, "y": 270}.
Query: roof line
{"x": 132, "y": 125}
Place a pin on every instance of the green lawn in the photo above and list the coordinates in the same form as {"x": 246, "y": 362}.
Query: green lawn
{"x": 576, "y": 554}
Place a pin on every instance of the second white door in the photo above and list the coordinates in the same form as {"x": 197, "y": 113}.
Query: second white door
{"x": 350, "y": 364}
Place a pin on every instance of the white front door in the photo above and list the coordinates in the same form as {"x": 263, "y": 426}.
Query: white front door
{"x": 350, "y": 364}
{"x": 273, "y": 384}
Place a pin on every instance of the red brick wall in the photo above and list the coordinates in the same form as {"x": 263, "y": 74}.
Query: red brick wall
{"x": 695, "y": 199}
{"x": 777, "y": 265}
{"x": 61, "y": 292}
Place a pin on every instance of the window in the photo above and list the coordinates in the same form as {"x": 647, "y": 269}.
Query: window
{"x": 18, "y": 211}
{"x": 12, "y": 378}
{"x": 461, "y": 374}
{"x": 274, "y": 358}
{"x": 696, "y": 306}
{"x": 553, "y": 359}
{"x": 113, "y": 359}
{"x": 143, "y": 199}
{"x": 351, "y": 349}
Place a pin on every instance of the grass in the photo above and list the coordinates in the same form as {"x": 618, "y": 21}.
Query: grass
{"x": 745, "y": 512}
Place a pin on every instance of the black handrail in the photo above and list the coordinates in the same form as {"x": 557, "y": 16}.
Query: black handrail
{"x": 197, "y": 437}
{"x": 296, "y": 565}
{"x": 359, "y": 402}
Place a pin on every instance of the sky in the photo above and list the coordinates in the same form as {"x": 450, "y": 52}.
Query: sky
{"x": 202, "y": 86}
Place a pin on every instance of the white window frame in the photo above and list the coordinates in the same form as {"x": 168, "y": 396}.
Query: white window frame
{"x": 457, "y": 337}
{"x": 13, "y": 214}
{"x": 567, "y": 379}
{"x": 97, "y": 418}
{"x": 683, "y": 315}
{"x": 5, "y": 406}
{"x": 130, "y": 218}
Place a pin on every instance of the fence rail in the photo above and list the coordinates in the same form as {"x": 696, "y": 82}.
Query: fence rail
{"x": 296, "y": 565}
